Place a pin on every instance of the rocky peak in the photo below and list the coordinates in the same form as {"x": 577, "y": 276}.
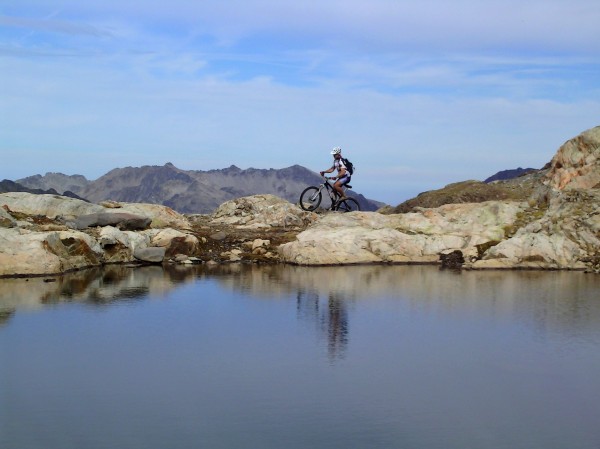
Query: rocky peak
{"x": 576, "y": 165}
{"x": 509, "y": 174}
{"x": 57, "y": 181}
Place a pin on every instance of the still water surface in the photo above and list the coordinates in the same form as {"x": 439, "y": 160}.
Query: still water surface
{"x": 291, "y": 357}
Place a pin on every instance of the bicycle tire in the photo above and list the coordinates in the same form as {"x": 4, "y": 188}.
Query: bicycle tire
{"x": 310, "y": 198}
{"x": 348, "y": 205}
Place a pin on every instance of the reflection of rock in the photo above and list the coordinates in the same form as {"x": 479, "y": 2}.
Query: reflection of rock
{"x": 5, "y": 315}
{"x": 564, "y": 301}
{"x": 94, "y": 286}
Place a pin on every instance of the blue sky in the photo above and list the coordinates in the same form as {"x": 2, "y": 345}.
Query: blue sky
{"x": 418, "y": 94}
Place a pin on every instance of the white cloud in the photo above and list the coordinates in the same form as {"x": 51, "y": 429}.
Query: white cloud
{"x": 419, "y": 93}
{"x": 389, "y": 24}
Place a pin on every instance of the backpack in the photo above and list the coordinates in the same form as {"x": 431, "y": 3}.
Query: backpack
{"x": 349, "y": 166}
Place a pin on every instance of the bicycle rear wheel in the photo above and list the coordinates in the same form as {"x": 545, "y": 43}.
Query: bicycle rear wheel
{"x": 348, "y": 205}
{"x": 310, "y": 198}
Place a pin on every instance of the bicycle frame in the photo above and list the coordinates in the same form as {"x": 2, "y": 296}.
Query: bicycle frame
{"x": 328, "y": 185}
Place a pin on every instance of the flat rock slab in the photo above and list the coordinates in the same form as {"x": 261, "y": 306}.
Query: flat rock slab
{"x": 220, "y": 235}
{"x": 123, "y": 220}
{"x": 151, "y": 254}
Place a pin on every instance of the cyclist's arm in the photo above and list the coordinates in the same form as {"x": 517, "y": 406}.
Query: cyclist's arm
{"x": 329, "y": 170}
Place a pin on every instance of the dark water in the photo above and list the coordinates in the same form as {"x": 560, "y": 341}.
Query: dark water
{"x": 289, "y": 357}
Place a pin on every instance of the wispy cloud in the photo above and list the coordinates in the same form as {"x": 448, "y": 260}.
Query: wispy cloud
{"x": 54, "y": 26}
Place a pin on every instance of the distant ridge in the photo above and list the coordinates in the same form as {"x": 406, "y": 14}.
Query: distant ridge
{"x": 7, "y": 185}
{"x": 509, "y": 174}
{"x": 187, "y": 191}
{"x": 515, "y": 185}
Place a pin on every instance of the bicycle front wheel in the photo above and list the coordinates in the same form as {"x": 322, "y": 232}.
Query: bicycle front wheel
{"x": 348, "y": 205}
{"x": 310, "y": 198}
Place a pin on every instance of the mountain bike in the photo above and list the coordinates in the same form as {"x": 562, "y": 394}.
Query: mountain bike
{"x": 311, "y": 197}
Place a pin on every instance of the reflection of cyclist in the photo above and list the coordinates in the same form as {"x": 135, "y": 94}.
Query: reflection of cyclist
{"x": 337, "y": 326}
{"x": 343, "y": 176}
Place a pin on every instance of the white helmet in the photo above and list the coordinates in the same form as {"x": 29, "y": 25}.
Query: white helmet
{"x": 336, "y": 150}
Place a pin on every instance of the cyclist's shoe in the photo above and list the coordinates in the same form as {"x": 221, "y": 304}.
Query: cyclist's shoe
{"x": 338, "y": 201}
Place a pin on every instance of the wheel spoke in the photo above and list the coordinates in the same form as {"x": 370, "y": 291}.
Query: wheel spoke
{"x": 310, "y": 198}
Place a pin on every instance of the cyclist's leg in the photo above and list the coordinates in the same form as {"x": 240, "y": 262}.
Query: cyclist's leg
{"x": 334, "y": 196}
{"x": 339, "y": 187}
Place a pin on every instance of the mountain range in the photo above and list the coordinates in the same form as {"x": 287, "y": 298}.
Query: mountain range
{"x": 186, "y": 191}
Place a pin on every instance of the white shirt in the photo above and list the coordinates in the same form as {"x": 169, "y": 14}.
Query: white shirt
{"x": 339, "y": 164}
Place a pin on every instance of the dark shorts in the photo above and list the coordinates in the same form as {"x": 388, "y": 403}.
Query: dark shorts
{"x": 344, "y": 180}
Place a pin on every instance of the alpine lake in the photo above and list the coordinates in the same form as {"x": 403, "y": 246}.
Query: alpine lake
{"x": 247, "y": 356}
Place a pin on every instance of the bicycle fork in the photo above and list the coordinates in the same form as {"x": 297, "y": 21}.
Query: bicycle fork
{"x": 316, "y": 194}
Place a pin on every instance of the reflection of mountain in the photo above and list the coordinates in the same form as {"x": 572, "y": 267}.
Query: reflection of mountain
{"x": 563, "y": 302}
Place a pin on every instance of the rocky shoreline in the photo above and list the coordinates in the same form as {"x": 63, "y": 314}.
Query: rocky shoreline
{"x": 44, "y": 235}
{"x": 557, "y": 227}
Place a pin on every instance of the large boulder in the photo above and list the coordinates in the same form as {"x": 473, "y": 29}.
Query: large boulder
{"x": 261, "y": 211}
{"x": 364, "y": 237}
{"x": 174, "y": 242}
{"x": 127, "y": 246}
{"x": 576, "y": 165}
{"x": 6, "y": 220}
{"x": 162, "y": 216}
{"x": 51, "y": 206}
{"x": 120, "y": 246}
{"x": 37, "y": 253}
{"x": 83, "y": 214}
{"x": 567, "y": 236}
{"x": 152, "y": 254}
{"x": 37, "y": 244}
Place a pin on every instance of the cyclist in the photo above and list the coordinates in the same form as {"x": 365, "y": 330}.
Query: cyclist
{"x": 343, "y": 176}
